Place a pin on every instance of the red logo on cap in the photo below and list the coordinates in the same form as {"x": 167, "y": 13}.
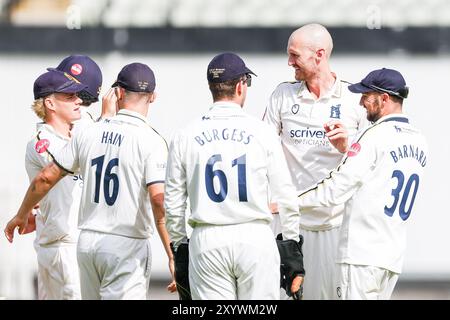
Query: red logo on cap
{"x": 42, "y": 145}
{"x": 76, "y": 69}
{"x": 354, "y": 149}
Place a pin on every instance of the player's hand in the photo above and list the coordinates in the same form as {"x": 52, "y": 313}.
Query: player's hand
{"x": 337, "y": 134}
{"x": 296, "y": 287}
{"x": 16, "y": 222}
{"x": 109, "y": 104}
{"x": 31, "y": 226}
{"x": 172, "y": 287}
{"x": 273, "y": 208}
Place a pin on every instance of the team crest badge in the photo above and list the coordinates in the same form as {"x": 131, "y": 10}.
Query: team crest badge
{"x": 42, "y": 145}
{"x": 76, "y": 69}
{"x": 295, "y": 108}
{"x": 354, "y": 149}
{"x": 335, "y": 111}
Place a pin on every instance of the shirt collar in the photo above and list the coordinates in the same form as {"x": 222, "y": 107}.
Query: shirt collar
{"x": 336, "y": 90}
{"x": 85, "y": 114}
{"x": 41, "y": 126}
{"x": 399, "y": 117}
{"x": 133, "y": 114}
{"x": 225, "y": 104}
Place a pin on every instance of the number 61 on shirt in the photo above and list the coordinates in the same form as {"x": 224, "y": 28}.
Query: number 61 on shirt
{"x": 210, "y": 174}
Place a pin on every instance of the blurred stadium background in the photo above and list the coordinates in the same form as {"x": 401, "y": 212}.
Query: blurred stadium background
{"x": 177, "y": 38}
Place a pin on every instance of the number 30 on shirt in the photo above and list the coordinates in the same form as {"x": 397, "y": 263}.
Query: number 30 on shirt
{"x": 402, "y": 194}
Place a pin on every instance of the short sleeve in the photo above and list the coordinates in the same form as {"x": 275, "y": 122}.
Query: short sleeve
{"x": 155, "y": 164}
{"x": 272, "y": 113}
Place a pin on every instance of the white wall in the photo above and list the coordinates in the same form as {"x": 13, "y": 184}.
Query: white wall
{"x": 182, "y": 94}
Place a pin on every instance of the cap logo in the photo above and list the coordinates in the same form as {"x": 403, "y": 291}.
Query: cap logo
{"x": 216, "y": 72}
{"x": 42, "y": 145}
{"x": 76, "y": 69}
{"x": 354, "y": 149}
{"x": 68, "y": 76}
{"x": 142, "y": 85}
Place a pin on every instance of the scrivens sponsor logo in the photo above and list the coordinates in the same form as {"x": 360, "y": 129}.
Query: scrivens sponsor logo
{"x": 309, "y": 136}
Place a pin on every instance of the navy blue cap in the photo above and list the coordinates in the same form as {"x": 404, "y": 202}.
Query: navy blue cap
{"x": 136, "y": 77}
{"x": 55, "y": 81}
{"x": 226, "y": 66}
{"x": 382, "y": 80}
{"x": 85, "y": 70}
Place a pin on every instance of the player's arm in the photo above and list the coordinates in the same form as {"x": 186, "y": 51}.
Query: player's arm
{"x": 342, "y": 182}
{"x": 175, "y": 205}
{"x": 156, "y": 193}
{"x": 272, "y": 118}
{"x": 109, "y": 104}
{"x": 38, "y": 188}
{"x": 283, "y": 193}
{"x": 337, "y": 135}
{"x": 175, "y": 194}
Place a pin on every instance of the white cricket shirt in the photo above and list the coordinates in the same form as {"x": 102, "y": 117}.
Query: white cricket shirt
{"x": 226, "y": 161}
{"x": 118, "y": 158}
{"x": 378, "y": 181}
{"x": 298, "y": 119}
{"x": 56, "y": 219}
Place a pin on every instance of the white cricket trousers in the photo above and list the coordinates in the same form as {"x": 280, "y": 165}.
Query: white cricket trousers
{"x": 58, "y": 277}
{"x": 357, "y": 282}
{"x": 319, "y": 260}
{"x": 113, "y": 267}
{"x": 230, "y": 262}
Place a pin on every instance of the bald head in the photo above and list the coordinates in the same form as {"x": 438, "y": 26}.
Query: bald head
{"x": 314, "y": 36}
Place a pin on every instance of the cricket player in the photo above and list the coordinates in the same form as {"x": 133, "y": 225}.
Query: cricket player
{"x": 378, "y": 182}
{"x": 122, "y": 161}
{"x": 315, "y": 117}
{"x": 225, "y": 162}
{"x": 57, "y": 104}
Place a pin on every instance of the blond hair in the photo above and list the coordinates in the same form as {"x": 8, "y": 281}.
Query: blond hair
{"x": 38, "y": 107}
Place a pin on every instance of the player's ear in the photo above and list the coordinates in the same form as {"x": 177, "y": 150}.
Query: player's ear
{"x": 48, "y": 102}
{"x": 119, "y": 93}
{"x": 385, "y": 97}
{"x": 239, "y": 88}
{"x": 320, "y": 53}
{"x": 152, "y": 97}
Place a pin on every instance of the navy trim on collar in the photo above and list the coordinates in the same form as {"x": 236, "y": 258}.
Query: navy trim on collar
{"x": 398, "y": 119}
{"x": 132, "y": 116}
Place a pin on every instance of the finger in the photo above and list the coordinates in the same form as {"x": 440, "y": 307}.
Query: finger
{"x": 22, "y": 227}
{"x": 296, "y": 283}
{"x": 337, "y": 131}
{"x": 335, "y": 123}
{"x": 332, "y": 124}
{"x": 336, "y": 135}
{"x": 9, "y": 235}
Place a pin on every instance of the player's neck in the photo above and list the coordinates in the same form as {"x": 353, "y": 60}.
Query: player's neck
{"x": 60, "y": 126}
{"x": 321, "y": 84}
{"x": 142, "y": 109}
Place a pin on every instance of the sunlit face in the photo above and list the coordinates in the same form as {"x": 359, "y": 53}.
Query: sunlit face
{"x": 302, "y": 58}
{"x": 67, "y": 106}
{"x": 372, "y": 101}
